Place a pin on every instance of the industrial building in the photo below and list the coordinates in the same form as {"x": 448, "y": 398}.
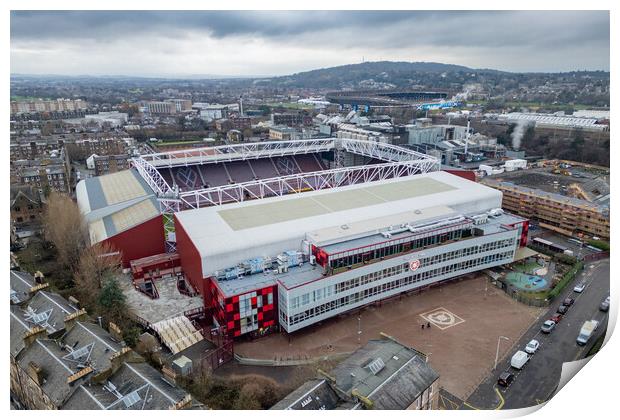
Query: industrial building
{"x": 563, "y": 214}
{"x": 382, "y": 375}
{"x": 281, "y": 235}
{"x": 554, "y": 121}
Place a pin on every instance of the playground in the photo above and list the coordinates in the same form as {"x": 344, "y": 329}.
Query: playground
{"x": 530, "y": 275}
{"x": 527, "y": 282}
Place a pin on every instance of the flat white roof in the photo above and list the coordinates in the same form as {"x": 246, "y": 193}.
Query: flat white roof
{"x": 228, "y": 234}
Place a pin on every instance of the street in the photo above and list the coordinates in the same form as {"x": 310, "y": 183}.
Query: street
{"x": 538, "y": 379}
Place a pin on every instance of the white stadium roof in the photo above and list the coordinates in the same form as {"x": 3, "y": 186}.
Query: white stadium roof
{"x": 228, "y": 234}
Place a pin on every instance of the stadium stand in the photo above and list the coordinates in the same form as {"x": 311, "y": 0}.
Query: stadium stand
{"x": 240, "y": 171}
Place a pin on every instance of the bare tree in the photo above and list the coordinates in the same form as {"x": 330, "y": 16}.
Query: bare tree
{"x": 65, "y": 227}
{"x": 97, "y": 264}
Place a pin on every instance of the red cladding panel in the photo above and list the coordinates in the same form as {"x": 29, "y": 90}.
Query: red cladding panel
{"x": 191, "y": 261}
{"x": 470, "y": 175}
{"x": 141, "y": 241}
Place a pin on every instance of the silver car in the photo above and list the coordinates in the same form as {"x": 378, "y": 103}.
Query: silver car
{"x": 547, "y": 326}
{"x": 604, "y": 306}
{"x": 579, "y": 288}
{"x": 532, "y": 347}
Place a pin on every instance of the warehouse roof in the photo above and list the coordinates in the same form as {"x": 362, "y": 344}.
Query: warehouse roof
{"x": 388, "y": 374}
{"x": 115, "y": 202}
{"x": 228, "y": 234}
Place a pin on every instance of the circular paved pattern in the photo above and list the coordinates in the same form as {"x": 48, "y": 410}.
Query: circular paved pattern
{"x": 442, "y": 318}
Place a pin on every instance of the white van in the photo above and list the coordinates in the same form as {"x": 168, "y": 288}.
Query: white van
{"x": 519, "y": 359}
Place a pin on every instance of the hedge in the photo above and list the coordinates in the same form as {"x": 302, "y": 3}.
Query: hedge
{"x": 566, "y": 278}
{"x": 602, "y": 245}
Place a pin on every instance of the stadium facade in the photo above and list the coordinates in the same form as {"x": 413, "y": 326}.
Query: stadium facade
{"x": 318, "y": 239}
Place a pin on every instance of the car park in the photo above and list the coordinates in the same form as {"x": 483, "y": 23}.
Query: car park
{"x": 562, "y": 309}
{"x": 604, "y": 306}
{"x": 532, "y": 346}
{"x": 556, "y": 318}
{"x": 547, "y": 326}
{"x": 579, "y": 288}
{"x": 505, "y": 379}
{"x": 568, "y": 301}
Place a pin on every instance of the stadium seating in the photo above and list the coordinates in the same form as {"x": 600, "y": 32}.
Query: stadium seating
{"x": 307, "y": 163}
{"x": 214, "y": 175}
{"x": 240, "y": 171}
{"x": 196, "y": 177}
{"x": 263, "y": 168}
{"x": 187, "y": 178}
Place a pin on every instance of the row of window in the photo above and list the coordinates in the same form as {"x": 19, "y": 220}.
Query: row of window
{"x": 345, "y": 285}
{"x": 367, "y": 254}
{"x": 394, "y": 284}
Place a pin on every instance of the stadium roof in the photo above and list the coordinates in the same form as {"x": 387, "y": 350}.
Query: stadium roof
{"x": 115, "y": 202}
{"x": 231, "y": 233}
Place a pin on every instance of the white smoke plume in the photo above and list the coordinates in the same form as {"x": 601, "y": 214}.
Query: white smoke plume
{"x": 517, "y": 134}
{"x": 467, "y": 90}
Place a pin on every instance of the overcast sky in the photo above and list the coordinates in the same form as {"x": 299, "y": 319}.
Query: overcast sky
{"x": 235, "y": 43}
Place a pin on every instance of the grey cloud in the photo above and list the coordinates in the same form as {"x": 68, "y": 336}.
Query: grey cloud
{"x": 498, "y": 39}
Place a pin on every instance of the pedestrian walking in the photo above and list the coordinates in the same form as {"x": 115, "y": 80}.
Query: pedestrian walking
{"x": 428, "y": 325}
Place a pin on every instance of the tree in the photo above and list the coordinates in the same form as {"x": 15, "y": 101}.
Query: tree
{"x": 257, "y": 393}
{"x": 112, "y": 302}
{"x": 97, "y": 264}
{"x": 64, "y": 226}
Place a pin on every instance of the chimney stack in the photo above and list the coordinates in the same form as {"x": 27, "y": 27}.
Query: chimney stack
{"x": 35, "y": 372}
{"x": 34, "y": 334}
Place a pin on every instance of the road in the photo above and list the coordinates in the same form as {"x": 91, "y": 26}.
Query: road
{"x": 538, "y": 379}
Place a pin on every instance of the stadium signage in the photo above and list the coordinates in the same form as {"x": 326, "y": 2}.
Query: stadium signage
{"x": 414, "y": 265}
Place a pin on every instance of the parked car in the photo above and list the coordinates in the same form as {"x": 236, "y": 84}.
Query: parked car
{"x": 505, "y": 379}
{"x": 532, "y": 346}
{"x": 562, "y": 309}
{"x": 547, "y": 326}
{"x": 568, "y": 301}
{"x": 604, "y": 306}
{"x": 579, "y": 288}
{"x": 557, "y": 317}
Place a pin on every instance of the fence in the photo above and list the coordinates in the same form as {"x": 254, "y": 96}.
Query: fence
{"x": 289, "y": 361}
{"x": 595, "y": 257}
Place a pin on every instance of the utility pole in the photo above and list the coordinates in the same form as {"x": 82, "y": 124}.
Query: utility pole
{"x": 497, "y": 351}
{"x": 359, "y": 329}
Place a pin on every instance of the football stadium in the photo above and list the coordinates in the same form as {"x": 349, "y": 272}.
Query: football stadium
{"x": 277, "y": 236}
